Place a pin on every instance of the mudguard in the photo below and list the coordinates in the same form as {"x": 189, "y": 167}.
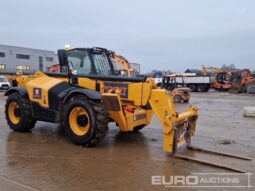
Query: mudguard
{"x": 21, "y": 91}
{"x": 91, "y": 94}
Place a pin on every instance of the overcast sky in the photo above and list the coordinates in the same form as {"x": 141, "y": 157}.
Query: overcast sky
{"x": 163, "y": 34}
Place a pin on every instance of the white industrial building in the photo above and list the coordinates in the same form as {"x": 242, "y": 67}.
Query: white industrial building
{"x": 29, "y": 60}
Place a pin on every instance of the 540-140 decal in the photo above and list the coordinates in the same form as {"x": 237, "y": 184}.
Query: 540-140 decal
{"x": 123, "y": 88}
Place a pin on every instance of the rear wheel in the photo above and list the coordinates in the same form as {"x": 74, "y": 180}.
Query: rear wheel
{"x": 202, "y": 88}
{"x": 193, "y": 87}
{"x": 18, "y": 113}
{"x": 86, "y": 121}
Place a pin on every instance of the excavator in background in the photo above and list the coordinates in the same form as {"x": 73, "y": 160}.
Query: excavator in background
{"x": 235, "y": 81}
{"x": 122, "y": 65}
{"x": 242, "y": 81}
{"x": 213, "y": 70}
{"x": 220, "y": 80}
{"x": 232, "y": 80}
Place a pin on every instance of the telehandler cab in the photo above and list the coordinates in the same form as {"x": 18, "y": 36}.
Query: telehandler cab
{"x": 86, "y": 95}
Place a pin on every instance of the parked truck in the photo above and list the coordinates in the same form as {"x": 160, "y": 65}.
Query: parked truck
{"x": 191, "y": 80}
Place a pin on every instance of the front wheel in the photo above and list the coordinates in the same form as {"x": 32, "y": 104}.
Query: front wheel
{"x": 86, "y": 121}
{"x": 18, "y": 113}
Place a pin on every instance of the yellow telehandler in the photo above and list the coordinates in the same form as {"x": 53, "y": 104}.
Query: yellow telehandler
{"x": 87, "y": 94}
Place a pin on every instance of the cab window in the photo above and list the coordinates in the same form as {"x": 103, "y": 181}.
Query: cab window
{"x": 79, "y": 60}
{"x": 102, "y": 64}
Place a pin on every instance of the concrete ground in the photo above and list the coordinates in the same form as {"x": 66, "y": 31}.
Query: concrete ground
{"x": 46, "y": 159}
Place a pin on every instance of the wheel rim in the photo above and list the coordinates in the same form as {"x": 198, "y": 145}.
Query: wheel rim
{"x": 79, "y": 121}
{"x": 14, "y": 112}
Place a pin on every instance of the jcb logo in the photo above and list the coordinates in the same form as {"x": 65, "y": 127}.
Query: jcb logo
{"x": 37, "y": 93}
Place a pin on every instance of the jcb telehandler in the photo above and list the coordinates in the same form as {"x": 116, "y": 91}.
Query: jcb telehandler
{"x": 86, "y": 95}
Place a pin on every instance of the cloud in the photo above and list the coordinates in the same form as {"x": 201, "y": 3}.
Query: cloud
{"x": 165, "y": 34}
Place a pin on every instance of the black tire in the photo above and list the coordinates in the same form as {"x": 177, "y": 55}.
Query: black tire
{"x": 202, "y": 88}
{"x": 26, "y": 122}
{"x": 138, "y": 128}
{"x": 98, "y": 121}
{"x": 193, "y": 87}
{"x": 186, "y": 101}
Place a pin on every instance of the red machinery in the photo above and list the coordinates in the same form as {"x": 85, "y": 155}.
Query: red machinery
{"x": 54, "y": 68}
{"x": 234, "y": 81}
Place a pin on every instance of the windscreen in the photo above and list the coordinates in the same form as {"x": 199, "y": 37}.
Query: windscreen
{"x": 102, "y": 65}
{"x": 79, "y": 60}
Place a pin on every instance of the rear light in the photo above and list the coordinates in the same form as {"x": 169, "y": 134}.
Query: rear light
{"x": 129, "y": 109}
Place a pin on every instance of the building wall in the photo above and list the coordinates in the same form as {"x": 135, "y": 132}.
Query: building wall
{"x": 13, "y": 58}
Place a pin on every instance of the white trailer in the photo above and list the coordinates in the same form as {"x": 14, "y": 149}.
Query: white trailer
{"x": 191, "y": 80}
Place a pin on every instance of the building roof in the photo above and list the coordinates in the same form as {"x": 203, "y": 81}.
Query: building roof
{"x": 26, "y": 48}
